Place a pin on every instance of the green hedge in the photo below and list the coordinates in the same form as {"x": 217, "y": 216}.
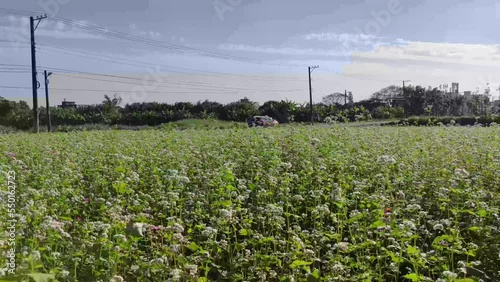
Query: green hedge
{"x": 462, "y": 121}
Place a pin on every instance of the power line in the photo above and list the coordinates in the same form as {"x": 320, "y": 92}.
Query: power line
{"x": 14, "y": 71}
{"x": 155, "y": 43}
{"x": 110, "y": 90}
{"x": 167, "y": 66}
{"x": 181, "y": 84}
{"x": 146, "y": 80}
{"x": 20, "y": 47}
{"x": 12, "y": 42}
{"x": 141, "y": 64}
{"x": 13, "y": 11}
{"x": 151, "y": 42}
{"x": 13, "y": 68}
{"x": 219, "y": 73}
{"x": 125, "y": 36}
{"x": 15, "y": 65}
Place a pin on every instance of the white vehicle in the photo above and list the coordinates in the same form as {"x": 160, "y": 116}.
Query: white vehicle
{"x": 264, "y": 121}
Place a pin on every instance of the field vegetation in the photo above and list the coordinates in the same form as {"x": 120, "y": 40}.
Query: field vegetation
{"x": 293, "y": 203}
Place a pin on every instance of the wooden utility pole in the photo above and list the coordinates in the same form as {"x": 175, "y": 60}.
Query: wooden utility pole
{"x": 310, "y": 92}
{"x": 34, "y": 81}
{"x": 46, "y": 75}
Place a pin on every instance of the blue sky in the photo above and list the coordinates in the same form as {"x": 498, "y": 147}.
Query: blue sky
{"x": 360, "y": 46}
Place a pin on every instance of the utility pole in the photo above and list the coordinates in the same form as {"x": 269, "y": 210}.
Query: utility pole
{"x": 405, "y": 100}
{"x": 35, "y": 83}
{"x": 345, "y": 97}
{"x": 311, "y": 68}
{"x": 46, "y": 75}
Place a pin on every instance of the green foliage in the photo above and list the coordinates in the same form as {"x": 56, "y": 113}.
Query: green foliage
{"x": 455, "y": 121}
{"x": 15, "y": 114}
{"x": 388, "y": 103}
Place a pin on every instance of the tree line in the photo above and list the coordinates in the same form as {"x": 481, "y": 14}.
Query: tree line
{"x": 390, "y": 102}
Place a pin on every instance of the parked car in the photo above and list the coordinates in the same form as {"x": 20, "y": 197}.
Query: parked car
{"x": 262, "y": 121}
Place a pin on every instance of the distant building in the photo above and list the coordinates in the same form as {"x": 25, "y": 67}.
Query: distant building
{"x": 467, "y": 93}
{"x": 452, "y": 95}
{"x": 67, "y": 104}
{"x": 454, "y": 87}
{"x": 244, "y": 100}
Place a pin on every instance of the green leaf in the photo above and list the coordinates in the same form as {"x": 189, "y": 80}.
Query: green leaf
{"x": 315, "y": 273}
{"x": 314, "y": 276}
{"x": 377, "y": 224}
{"x": 120, "y": 169}
{"x": 394, "y": 258}
{"x": 42, "y": 277}
{"x": 471, "y": 212}
{"x": 482, "y": 213}
{"x": 225, "y": 204}
{"x": 355, "y": 218}
{"x": 332, "y": 236}
{"x": 340, "y": 204}
{"x": 244, "y": 232}
{"x": 412, "y": 250}
{"x": 413, "y": 277}
{"x": 299, "y": 263}
{"x": 228, "y": 176}
{"x": 10, "y": 279}
{"x": 251, "y": 186}
{"x": 447, "y": 238}
{"x": 193, "y": 246}
{"x": 121, "y": 188}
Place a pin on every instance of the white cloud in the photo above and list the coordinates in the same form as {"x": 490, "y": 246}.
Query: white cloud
{"x": 427, "y": 63}
{"x": 60, "y": 26}
{"x": 19, "y": 26}
{"x": 12, "y": 19}
{"x": 443, "y": 53}
{"x": 340, "y": 37}
{"x": 352, "y": 42}
{"x": 154, "y": 34}
{"x": 281, "y": 50}
{"x": 134, "y": 30}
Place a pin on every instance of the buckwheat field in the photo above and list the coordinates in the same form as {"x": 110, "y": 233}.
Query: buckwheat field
{"x": 282, "y": 204}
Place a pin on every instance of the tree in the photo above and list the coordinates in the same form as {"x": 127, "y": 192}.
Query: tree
{"x": 280, "y": 111}
{"x": 388, "y": 92}
{"x": 112, "y": 102}
{"x": 15, "y": 114}
{"x": 350, "y": 98}
{"x": 238, "y": 111}
{"x": 334, "y": 99}
{"x": 111, "y": 112}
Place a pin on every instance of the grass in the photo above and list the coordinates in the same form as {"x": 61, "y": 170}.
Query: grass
{"x": 205, "y": 123}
